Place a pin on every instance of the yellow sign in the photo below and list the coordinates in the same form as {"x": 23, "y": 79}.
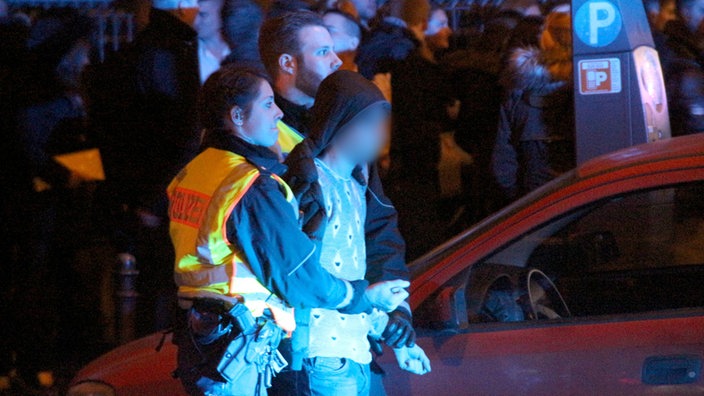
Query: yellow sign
{"x": 87, "y": 164}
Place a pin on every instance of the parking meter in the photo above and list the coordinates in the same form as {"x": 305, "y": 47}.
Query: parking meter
{"x": 620, "y": 98}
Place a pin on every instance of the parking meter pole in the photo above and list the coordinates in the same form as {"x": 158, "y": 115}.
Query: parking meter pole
{"x": 620, "y": 98}
{"x": 127, "y": 295}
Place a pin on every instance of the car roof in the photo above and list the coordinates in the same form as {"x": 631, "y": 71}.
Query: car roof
{"x": 666, "y": 149}
{"x": 684, "y": 148}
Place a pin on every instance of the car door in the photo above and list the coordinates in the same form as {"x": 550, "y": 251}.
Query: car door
{"x": 630, "y": 269}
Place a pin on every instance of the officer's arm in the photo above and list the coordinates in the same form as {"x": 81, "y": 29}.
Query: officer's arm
{"x": 264, "y": 227}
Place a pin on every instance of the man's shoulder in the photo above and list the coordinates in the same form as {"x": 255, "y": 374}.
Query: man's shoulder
{"x": 388, "y": 37}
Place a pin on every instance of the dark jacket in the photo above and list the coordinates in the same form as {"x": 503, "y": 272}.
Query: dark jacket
{"x": 385, "y": 45}
{"x": 474, "y": 73}
{"x": 166, "y": 80}
{"x": 682, "y": 44}
{"x": 386, "y": 248}
{"x": 535, "y": 140}
{"x": 682, "y": 58}
{"x": 266, "y": 230}
{"x": 295, "y": 116}
{"x": 48, "y": 129}
{"x": 421, "y": 94}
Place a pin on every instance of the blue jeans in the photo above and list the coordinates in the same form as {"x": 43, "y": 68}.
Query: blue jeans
{"x": 336, "y": 376}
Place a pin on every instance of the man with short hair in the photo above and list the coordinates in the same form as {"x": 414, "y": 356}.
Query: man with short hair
{"x": 298, "y": 53}
{"x": 212, "y": 48}
{"x": 346, "y": 35}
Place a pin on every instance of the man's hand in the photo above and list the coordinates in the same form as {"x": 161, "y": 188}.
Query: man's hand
{"x": 413, "y": 360}
{"x": 386, "y": 296}
{"x": 399, "y": 330}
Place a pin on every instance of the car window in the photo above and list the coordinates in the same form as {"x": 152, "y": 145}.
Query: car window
{"x": 637, "y": 252}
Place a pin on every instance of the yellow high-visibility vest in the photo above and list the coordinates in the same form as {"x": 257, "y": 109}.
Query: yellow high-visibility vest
{"x": 208, "y": 265}
{"x": 288, "y": 138}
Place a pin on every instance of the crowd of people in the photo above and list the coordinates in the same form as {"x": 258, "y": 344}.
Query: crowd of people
{"x": 467, "y": 120}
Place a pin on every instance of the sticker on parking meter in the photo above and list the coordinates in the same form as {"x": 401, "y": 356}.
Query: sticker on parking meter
{"x": 599, "y": 76}
{"x": 598, "y": 23}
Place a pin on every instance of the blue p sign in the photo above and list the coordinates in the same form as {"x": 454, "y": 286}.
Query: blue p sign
{"x": 597, "y": 23}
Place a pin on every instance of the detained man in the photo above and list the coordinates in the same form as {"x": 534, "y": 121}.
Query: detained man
{"x": 348, "y": 132}
{"x": 297, "y": 51}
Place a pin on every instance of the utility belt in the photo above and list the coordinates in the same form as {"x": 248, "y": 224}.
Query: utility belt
{"x": 247, "y": 351}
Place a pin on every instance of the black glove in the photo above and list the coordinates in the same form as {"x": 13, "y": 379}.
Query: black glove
{"x": 399, "y": 331}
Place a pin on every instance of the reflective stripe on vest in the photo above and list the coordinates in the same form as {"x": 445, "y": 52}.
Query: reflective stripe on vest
{"x": 201, "y": 199}
{"x": 288, "y": 138}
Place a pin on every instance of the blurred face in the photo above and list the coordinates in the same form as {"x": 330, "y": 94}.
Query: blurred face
{"x": 364, "y": 139}
{"x": 365, "y": 8}
{"x": 342, "y": 42}
{"x": 438, "y": 32}
{"x": 694, "y": 15}
{"x": 666, "y": 14}
{"x": 208, "y": 22}
{"x": 316, "y": 60}
{"x": 70, "y": 68}
{"x": 259, "y": 125}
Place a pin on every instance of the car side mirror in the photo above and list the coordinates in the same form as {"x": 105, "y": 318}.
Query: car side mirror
{"x": 446, "y": 309}
{"x": 451, "y": 307}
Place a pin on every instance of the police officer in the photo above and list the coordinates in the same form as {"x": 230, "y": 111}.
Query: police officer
{"x": 242, "y": 261}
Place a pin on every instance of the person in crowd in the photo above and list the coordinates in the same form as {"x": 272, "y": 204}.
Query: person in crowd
{"x": 682, "y": 58}
{"x": 475, "y": 70}
{"x": 685, "y": 34}
{"x": 242, "y": 20}
{"x": 535, "y": 140}
{"x": 231, "y": 284}
{"x": 346, "y": 35}
{"x": 524, "y": 7}
{"x": 212, "y": 47}
{"x": 367, "y": 11}
{"x": 349, "y": 121}
{"x": 399, "y": 34}
{"x": 162, "y": 138}
{"x": 278, "y": 8}
{"x": 48, "y": 203}
{"x": 660, "y": 13}
{"x": 438, "y": 33}
{"x": 424, "y": 107}
{"x": 298, "y": 54}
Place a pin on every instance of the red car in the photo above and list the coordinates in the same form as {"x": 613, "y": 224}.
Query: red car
{"x": 592, "y": 285}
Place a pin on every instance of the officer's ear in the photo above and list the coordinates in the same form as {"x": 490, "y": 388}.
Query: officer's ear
{"x": 287, "y": 64}
{"x": 237, "y": 116}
